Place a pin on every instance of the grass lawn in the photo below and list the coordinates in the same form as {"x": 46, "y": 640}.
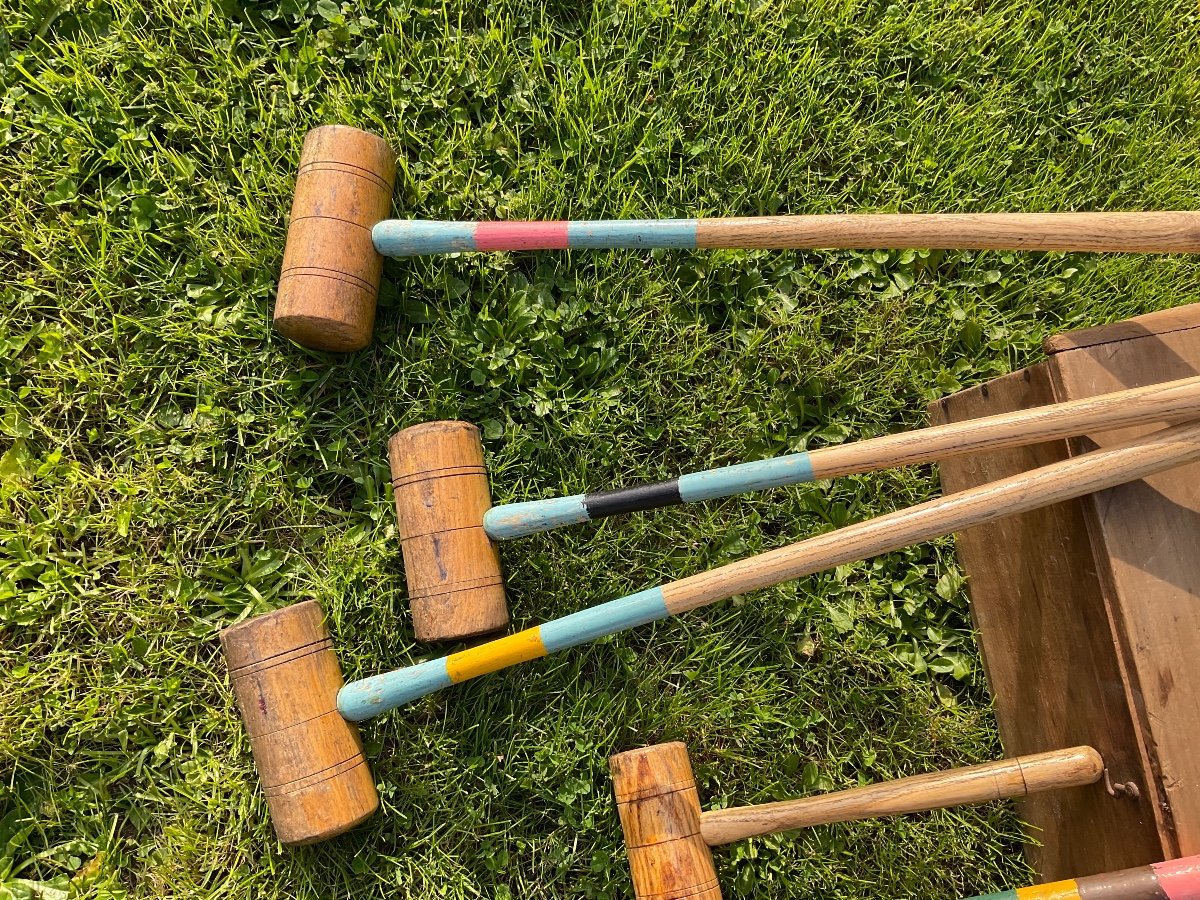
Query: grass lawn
{"x": 170, "y": 465}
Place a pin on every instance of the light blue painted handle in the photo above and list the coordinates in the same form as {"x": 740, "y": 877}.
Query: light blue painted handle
{"x": 745, "y": 477}
{"x": 412, "y": 237}
{"x": 417, "y": 237}
{"x": 368, "y": 697}
{"x": 600, "y": 234}
{"x": 608, "y": 618}
{"x": 514, "y": 520}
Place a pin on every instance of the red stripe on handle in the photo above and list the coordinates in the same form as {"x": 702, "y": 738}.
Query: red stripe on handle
{"x": 1179, "y": 878}
{"x": 521, "y": 236}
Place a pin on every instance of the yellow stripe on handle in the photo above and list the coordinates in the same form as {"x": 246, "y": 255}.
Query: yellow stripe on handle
{"x": 1119, "y": 232}
{"x": 1058, "y": 890}
{"x": 495, "y": 655}
{"x": 1095, "y": 471}
{"x": 974, "y": 784}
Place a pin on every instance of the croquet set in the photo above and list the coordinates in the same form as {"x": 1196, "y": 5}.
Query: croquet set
{"x": 1073, "y": 488}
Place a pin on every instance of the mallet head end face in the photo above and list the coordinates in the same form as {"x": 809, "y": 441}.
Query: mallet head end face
{"x": 659, "y": 807}
{"x": 285, "y": 678}
{"x": 347, "y": 330}
{"x": 331, "y": 269}
{"x": 455, "y": 585}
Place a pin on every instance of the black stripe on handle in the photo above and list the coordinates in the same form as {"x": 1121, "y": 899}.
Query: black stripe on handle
{"x": 632, "y": 499}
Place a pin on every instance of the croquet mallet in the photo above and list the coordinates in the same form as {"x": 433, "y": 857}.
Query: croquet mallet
{"x": 288, "y": 683}
{"x": 668, "y": 836}
{"x": 338, "y": 236}
{"x": 448, "y": 527}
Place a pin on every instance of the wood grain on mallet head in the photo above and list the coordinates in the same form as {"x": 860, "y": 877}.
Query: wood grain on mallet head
{"x": 285, "y": 678}
{"x": 659, "y": 807}
{"x": 455, "y": 585}
{"x": 331, "y": 269}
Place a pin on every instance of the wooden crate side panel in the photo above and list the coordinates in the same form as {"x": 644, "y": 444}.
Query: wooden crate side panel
{"x": 1047, "y": 647}
{"x": 1162, "y": 322}
{"x": 1149, "y": 533}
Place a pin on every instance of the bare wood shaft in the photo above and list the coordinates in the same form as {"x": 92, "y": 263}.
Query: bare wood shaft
{"x": 1170, "y": 401}
{"x": 1140, "y": 232}
{"x": 974, "y": 784}
{"x": 1061, "y": 481}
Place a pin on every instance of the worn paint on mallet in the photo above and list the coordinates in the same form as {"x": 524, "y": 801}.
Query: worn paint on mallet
{"x": 667, "y": 836}
{"x": 1170, "y": 401}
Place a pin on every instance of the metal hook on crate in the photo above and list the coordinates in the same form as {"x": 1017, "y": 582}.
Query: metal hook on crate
{"x": 1120, "y": 789}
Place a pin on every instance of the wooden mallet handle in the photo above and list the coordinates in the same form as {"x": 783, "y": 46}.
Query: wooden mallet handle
{"x": 1129, "y": 232}
{"x": 999, "y": 780}
{"x": 1170, "y": 401}
{"x": 1048, "y": 485}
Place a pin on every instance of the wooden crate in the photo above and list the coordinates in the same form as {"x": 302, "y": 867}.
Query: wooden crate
{"x": 1089, "y": 612}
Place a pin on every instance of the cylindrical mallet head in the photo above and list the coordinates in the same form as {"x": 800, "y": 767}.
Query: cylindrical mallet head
{"x": 331, "y": 270}
{"x": 455, "y": 586}
{"x": 660, "y": 815}
{"x": 286, "y": 677}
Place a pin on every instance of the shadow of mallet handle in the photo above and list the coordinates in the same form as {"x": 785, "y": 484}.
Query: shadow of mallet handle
{"x": 667, "y": 835}
{"x": 339, "y": 234}
{"x": 1050, "y": 484}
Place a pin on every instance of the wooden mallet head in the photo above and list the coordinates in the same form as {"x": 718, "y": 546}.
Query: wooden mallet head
{"x": 659, "y": 806}
{"x": 455, "y": 586}
{"x": 285, "y": 678}
{"x": 331, "y": 269}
